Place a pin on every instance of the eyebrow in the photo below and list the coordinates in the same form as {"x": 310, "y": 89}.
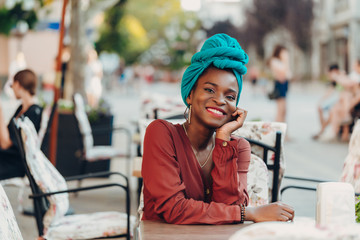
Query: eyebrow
{"x": 215, "y": 85}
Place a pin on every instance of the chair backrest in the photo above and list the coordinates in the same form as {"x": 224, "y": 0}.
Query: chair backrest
{"x": 46, "y": 126}
{"x": 161, "y": 106}
{"x": 351, "y": 169}
{"x": 43, "y": 177}
{"x": 265, "y": 137}
{"x": 9, "y": 228}
{"x": 83, "y": 121}
{"x": 143, "y": 123}
{"x": 257, "y": 182}
{"x": 45, "y": 122}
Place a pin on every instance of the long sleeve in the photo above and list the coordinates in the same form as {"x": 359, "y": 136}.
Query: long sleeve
{"x": 167, "y": 181}
{"x": 231, "y": 161}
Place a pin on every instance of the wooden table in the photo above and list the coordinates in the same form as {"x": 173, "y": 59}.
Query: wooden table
{"x": 153, "y": 230}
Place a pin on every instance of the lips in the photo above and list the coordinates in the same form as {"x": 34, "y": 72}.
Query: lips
{"x": 216, "y": 111}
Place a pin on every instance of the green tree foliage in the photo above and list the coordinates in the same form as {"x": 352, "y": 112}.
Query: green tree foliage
{"x": 265, "y": 16}
{"x": 157, "y": 32}
{"x": 9, "y": 18}
{"x": 173, "y": 33}
{"x": 113, "y": 38}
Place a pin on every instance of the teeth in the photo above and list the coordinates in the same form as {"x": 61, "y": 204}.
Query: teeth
{"x": 215, "y": 111}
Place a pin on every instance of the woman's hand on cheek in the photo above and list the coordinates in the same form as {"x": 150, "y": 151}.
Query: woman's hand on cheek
{"x": 237, "y": 120}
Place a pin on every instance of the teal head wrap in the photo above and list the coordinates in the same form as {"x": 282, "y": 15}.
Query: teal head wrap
{"x": 221, "y": 51}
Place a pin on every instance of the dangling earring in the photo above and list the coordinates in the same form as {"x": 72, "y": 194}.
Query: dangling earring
{"x": 188, "y": 113}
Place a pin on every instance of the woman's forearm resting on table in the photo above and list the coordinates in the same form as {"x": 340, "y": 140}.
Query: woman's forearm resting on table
{"x": 277, "y": 211}
{"x": 180, "y": 210}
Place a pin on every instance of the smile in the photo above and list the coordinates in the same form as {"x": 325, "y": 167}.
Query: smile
{"x": 216, "y": 112}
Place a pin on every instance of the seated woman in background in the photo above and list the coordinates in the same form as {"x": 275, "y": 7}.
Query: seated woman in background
{"x": 196, "y": 173}
{"x": 24, "y": 87}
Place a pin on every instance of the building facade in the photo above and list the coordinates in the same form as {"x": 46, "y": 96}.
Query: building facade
{"x": 336, "y": 34}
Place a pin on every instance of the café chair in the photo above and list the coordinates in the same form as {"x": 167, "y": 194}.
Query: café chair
{"x": 350, "y": 172}
{"x": 9, "y": 228}
{"x": 91, "y": 153}
{"x": 51, "y": 199}
{"x": 161, "y": 106}
{"x": 22, "y": 182}
{"x": 266, "y": 140}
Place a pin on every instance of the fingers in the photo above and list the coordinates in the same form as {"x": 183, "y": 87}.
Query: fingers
{"x": 283, "y": 218}
{"x": 241, "y": 113}
{"x": 287, "y": 210}
{"x": 284, "y": 212}
{"x": 286, "y": 215}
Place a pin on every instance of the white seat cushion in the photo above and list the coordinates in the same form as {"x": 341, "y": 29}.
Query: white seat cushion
{"x": 45, "y": 174}
{"x": 257, "y": 182}
{"x": 89, "y": 226}
{"x": 351, "y": 169}
{"x": 103, "y": 152}
{"x": 9, "y": 229}
{"x": 17, "y": 182}
{"x": 265, "y": 132}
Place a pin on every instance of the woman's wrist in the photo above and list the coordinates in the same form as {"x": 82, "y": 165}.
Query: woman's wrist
{"x": 249, "y": 213}
{"x": 242, "y": 213}
{"x": 223, "y": 136}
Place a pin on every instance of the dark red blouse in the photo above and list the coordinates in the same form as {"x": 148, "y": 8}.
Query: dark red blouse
{"x": 174, "y": 184}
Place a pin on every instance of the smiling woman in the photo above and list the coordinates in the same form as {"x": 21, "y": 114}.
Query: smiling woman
{"x": 195, "y": 173}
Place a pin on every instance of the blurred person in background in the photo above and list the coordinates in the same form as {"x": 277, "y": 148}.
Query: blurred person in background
{"x": 254, "y": 77}
{"x": 24, "y": 87}
{"x": 340, "y": 113}
{"x": 93, "y": 76}
{"x": 280, "y": 69}
{"x": 355, "y": 99}
{"x": 328, "y": 100}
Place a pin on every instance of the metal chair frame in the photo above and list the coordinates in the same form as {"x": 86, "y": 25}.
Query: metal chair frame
{"x": 98, "y": 131}
{"x": 272, "y": 167}
{"x": 304, "y": 187}
{"x": 40, "y": 202}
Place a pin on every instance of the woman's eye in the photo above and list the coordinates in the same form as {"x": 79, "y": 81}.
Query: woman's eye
{"x": 230, "y": 97}
{"x": 209, "y": 90}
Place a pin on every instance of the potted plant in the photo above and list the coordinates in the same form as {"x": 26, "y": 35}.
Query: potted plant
{"x": 69, "y": 139}
{"x": 357, "y": 209}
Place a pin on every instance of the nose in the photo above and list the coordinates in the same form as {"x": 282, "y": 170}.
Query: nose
{"x": 219, "y": 99}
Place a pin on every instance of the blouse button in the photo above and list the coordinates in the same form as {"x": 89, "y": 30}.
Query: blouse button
{"x": 225, "y": 144}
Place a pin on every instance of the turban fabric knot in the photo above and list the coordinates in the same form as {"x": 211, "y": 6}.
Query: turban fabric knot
{"x": 221, "y": 51}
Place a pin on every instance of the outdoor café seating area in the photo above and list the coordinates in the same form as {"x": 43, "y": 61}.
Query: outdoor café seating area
{"x": 267, "y": 182}
{"x": 179, "y": 119}
{"x": 109, "y": 192}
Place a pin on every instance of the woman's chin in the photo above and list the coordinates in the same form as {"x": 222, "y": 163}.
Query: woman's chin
{"x": 216, "y": 124}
